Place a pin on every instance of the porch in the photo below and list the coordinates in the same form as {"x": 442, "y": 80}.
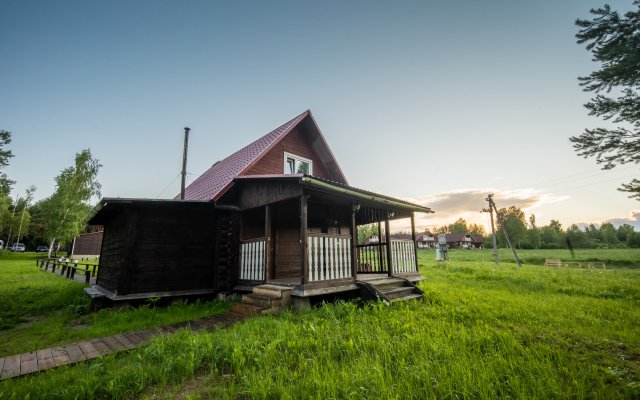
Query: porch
{"x": 309, "y": 242}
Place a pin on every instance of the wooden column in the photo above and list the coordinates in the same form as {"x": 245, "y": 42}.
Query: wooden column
{"x": 413, "y": 236}
{"x": 387, "y": 236}
{"x": 267, "y": 245}
{"x": 354, "y": 242}
{"x": 303, "y": 239}
{"x": 379, "y": 245}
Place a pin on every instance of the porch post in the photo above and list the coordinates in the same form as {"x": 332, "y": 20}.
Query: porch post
{"x": 379, "y": 245}
{"x": 354, "y": 242}
{"x": 413, "y": 236}
{"x": 387, "y": 236}
{"x": 303, "y": 239}
{"x": 267, "y": 246}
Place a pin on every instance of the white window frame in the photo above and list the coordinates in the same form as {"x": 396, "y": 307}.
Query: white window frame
{"x": 297, "y": 159}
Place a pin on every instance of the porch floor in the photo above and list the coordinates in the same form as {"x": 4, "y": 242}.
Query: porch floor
{"x": 295, "y": 281}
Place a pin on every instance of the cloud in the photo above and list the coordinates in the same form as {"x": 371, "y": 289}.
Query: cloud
{"x": 633, "y": 219}
{"x": 468, "y": 204}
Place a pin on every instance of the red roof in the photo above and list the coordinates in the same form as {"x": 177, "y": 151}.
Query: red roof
{"x": 214, "y": 182}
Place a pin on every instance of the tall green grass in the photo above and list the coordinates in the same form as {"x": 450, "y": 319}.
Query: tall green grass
{"x": 481, "y": 332}
{"x": 611, "y": 257}
{"x": 39, "y": 309}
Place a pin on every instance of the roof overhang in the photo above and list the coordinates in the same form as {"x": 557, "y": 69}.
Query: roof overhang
{"x": 109, "y": 206}
{"x": 335, "y": 188}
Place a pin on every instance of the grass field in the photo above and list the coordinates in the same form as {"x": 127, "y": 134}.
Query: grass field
{"x": 39, "y": 309}
{"x": 481, "y": 332}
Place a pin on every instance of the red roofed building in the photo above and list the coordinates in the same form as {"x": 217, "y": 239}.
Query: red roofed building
{"x": 278, "y": 212}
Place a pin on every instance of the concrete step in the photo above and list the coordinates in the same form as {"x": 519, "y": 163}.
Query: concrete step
{"x": 283, "y": 292}
{"x": 396, "y": 292}
{"x": 262, "y": 300}
{"x": 246, "y": 309}
{"x": 409, "y": 297}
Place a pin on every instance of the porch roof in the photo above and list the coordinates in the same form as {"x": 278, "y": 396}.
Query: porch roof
{"x": 342, "y": 190}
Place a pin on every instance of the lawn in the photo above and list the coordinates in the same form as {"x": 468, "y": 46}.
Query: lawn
{"x": 481, "y": 332}
{"x": 40, "y": 309}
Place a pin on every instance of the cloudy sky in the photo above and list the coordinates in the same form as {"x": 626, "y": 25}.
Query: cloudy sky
{"x": 439, "y": 102}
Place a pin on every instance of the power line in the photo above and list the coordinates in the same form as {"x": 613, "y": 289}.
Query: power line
{"x": 167, "y": 187}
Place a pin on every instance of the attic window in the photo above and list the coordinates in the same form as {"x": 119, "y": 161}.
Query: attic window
{"x": 294, "y": 164}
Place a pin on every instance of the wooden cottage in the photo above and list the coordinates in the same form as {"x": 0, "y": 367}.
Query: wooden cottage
{"x": 277, "y": 215}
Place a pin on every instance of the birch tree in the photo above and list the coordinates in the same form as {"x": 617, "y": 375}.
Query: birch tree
{"x": 68, "y": 209}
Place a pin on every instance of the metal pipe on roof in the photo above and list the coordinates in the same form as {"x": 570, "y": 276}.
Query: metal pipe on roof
{"x": 184, "y": 161}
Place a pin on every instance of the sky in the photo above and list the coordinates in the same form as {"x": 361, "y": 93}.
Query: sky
{"x": 435, "y": 102}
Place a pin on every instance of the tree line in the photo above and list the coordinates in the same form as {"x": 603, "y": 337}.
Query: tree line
{"x": 526, "y": 234}
{"x": 55, "y": 220}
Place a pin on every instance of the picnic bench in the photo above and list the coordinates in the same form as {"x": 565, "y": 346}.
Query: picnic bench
{"x": 554, "y": 262}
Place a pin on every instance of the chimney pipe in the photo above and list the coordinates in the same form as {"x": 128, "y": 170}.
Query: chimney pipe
{"x": 184, "y": 161}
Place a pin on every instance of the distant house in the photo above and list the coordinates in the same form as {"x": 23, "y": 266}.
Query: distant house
{"x": 464, "y": 240}
{"x": 278, "y": 211}
{"x": 423, "y": 240}
{"x": 88, "y": 244}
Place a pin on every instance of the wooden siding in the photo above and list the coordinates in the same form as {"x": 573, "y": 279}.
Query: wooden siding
{"x": 112, "y": 252}
{"x": 296, "y": 143}
{"x": 173, "y": 250}
{"x": 288, "y": 253}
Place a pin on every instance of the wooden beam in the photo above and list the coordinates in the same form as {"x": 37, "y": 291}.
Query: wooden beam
{"x": 387, "y": 237}
{"x": 303, "y": 239}
{"x": 354, "y": 241}
{"x": 267, "y": 246}
{"x": 413, "y": 236}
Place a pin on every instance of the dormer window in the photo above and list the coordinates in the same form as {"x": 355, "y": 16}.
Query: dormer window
{"x": 294, "y": 164}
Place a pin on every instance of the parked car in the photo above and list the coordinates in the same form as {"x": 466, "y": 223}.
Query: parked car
{"x": 1, "y": 244}
{"x": 17, "y": 247}
{"x": 42, "y": 249}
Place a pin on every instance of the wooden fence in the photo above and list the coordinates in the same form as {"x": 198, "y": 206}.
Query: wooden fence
{"x": 372, "y": 258}
{"x": 329, "y": 257}
{"x": 68, "y": 268}
{"x": 253, "y": 259}
{"x": 403, "y": 257}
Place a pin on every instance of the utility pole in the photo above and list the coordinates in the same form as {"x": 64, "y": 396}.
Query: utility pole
{"x": 184, "y": 161}
{"x": 506, "y": 236}
{"x": 493, "y": 229}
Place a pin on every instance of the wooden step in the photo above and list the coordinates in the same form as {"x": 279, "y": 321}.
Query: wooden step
{"x": 409, "y": 297}
{"x": 385, "y": 283}
{"x": 396, "y": 292}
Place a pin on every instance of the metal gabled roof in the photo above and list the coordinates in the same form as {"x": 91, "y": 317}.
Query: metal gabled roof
{"x": 219, "y": 177}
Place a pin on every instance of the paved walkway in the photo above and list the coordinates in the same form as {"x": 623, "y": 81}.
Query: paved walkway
{"x": 40, "y": 360}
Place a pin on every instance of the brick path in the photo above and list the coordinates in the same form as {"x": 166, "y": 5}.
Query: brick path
{"x": 40, "y": 360}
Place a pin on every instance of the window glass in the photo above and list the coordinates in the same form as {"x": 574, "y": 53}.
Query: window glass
{"x": 294, "y": 164}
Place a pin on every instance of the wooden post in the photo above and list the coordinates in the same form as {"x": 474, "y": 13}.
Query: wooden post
{"x": 303, "y": 239}
{"x": 413, "y": 236}
{"x": 387, "y": 237}
{"x": 380, "y": 260}
{"x": 354, "y": 242}
{"x": 267, "y": 245}
{"x": 87, "y": 276}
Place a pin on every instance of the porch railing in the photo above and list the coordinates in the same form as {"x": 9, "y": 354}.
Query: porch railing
{"x": 372, "y": 258}
{"x": 253, "y": 260}
{"x": 329, "y": 257}
{"x": 403, "y": 258}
